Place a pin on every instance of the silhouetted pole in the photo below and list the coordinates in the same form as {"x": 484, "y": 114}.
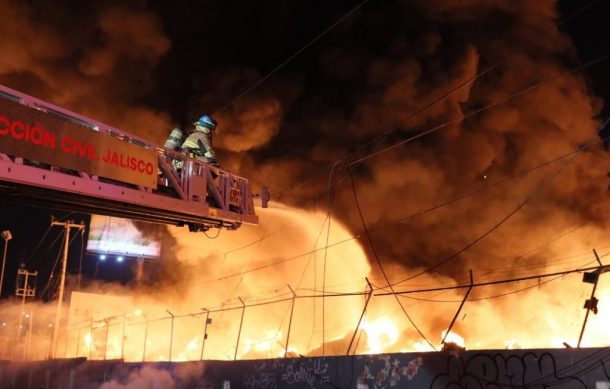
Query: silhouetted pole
{"x": 243, "y": 311}
{"x": 591, "y": 304}
{"x": 67, "y": 226}
{"x": 171, "y": 336}
{"x": 78, "y": 343}
{"x": 28, "y": 342}
{"x": 366, "y": 303}
{"x": 6, "y": 235}
{"x": 107, "y": 323}
{"x": 205, "y": 330}
{"x": 145, "y": 339}
{"x": 90, "y": 338}
{"x": 459, "y": 308}
{"x": 294, "y": 296}
{"x": 123, "y": 338}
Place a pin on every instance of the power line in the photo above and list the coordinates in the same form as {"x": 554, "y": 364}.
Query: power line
{"x": 474, "y": 113}
{"x": 496, "y": 282}
{"x": 485, "y": 234}
{"x": 345, "y": 16}
{"x": 435, "y": 101}
{"x": 480, "y": 110}
{"x": 38, "y": 245}
{"x": 404, "y": 219}
{"x": 381, "y": 266}
{"x": 511, "y": 270}
{"x": 494, "y": 227}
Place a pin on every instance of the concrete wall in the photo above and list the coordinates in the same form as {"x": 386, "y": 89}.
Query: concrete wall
{"x": 567, "y": 368}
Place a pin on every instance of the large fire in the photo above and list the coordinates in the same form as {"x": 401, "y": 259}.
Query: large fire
{"x": 230, "y": 304}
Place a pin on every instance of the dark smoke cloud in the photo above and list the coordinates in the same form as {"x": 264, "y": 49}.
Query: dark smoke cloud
{"x": 96, "y": 60}
{"x": 361, "y": 80}
{"x": 453, "y": 42}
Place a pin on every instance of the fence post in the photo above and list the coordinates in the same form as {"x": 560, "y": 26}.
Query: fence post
{"x": 366, "y": 303}
{"x": 171, "y": 336}
{"x": 243, "y": 311}
{"x": 205, "y": 330}
{"x": 145, "y": 339}
{"x": 78, "y": 343}
{"x": 107, "y": 323}
{"x": 459, "y": 309}
{"x": 90, "y": 338}
{"x": 123, "y": 337}
{"x": 294, "y": 296}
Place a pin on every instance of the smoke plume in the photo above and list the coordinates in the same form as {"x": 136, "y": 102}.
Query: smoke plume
{"x": 355, "y": 93}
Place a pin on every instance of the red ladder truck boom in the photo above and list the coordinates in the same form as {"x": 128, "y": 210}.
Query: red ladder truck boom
{"x": 56, "y": 158}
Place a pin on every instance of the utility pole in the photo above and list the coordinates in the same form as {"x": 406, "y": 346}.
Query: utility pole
{"x": 24, "y": 291}
{"x": 6, "y": 235}
{"x": 67, "y": 226}
{"x": 591, "y": 304}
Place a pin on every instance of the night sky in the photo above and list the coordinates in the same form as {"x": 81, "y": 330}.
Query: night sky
{"x": 148, "y": 66}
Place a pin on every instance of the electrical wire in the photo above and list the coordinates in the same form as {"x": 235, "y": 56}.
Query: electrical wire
{"x": 51, "y": 276}
{"x": 38, "y": 245}
{"x": 381, "y": 266}
{"x": 404, "y": 219}
{"x": 329, "y": 217}
{"x": 429, "y": 105}
{"x": 480, "y": 110}
{"x": 495, "y": 282}
{"x": 545, "y": 184}
{"x": 277, "y": 68}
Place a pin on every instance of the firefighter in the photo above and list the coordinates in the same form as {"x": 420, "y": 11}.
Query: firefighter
{"x": 198, "y": 143}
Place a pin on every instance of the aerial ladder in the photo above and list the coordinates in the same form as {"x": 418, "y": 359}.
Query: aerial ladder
{"x": 56, "y": 158}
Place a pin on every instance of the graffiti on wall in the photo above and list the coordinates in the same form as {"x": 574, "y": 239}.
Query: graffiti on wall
{"x": 386, "y": 370}
{"x": 526, "y": 370}
{"x": 277, "y": 373}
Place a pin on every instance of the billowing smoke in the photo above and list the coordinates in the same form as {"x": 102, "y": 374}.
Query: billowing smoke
{"x": 352, "y": 96}
{"x": 441, "y": 46}
{"x": 95, "y": 64}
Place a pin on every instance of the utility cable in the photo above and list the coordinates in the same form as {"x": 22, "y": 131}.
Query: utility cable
{"x": 512, "y": 268}
{"x": 277, "y": 68}
{"x": 381, "y": 266}
{"x": 329, "y": 217}
{"x": 404, "y": 219}
{"x": 38, "y": 245}
{"x": 471, "y": 80}
{"x": 435, "y": 101}
{"x": 475, "y": 112}
{"x": 55, "y": 264}
{"x": 539, "y": 189}
{"x": 495, "y": 282}
{"x": 479, "y": 110}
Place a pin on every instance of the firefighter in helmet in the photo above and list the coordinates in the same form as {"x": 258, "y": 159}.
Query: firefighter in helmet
{"x": 198, "y": 143}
